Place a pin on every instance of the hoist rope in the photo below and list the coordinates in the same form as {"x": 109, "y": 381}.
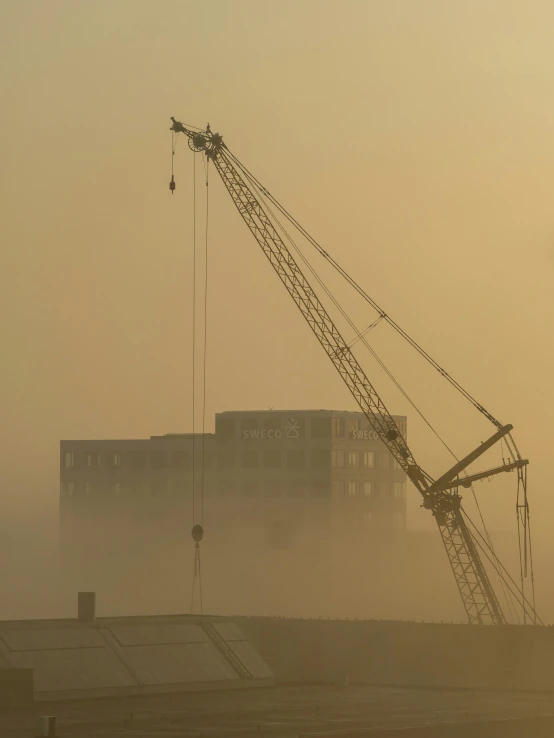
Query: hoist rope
{"x": 364, "y": 294}
{"x": 205, "y": 346}
{"x": 196, "y": 575}
{"x": 524, "y": 521}
{"x": 198, "y": 510}
{"x": 499, "y": 567}
{"x": 518, "y": 515}
{"x": 522, "y": 487}
{"x": 193, "y": 340}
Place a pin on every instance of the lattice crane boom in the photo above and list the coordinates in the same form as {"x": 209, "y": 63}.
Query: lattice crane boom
{"x": 440, "y": 497}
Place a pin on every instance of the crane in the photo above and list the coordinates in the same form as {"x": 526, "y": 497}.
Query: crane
{"x": 440, "y": 496}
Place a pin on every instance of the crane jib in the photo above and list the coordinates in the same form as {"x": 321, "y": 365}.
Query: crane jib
{"x": 441, "y": 496}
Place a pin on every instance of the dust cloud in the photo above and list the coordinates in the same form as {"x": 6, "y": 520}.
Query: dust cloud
{"x": 143, "y": 564}
{"x": 414, "y": 140}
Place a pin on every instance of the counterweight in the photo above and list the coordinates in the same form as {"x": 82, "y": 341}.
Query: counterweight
{"x": 440, "y": 497}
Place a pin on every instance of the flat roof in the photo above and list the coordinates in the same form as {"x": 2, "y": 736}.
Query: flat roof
{"x": 298, "y": 412}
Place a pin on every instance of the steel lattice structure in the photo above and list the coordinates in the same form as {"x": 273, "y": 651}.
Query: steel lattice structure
{"x": 440, "y": 497}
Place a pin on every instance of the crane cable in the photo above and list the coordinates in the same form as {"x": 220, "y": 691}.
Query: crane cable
{"x": 361, "y": 336}
{"x": 495, "y": 562}
{"x": 205, "y": 346}
{"x": 193, "y": 341}
{"x": 197, "y": 530}
{"x": 365, "y": 296}
{"x": 412, "y": 342}
{"x": 198, "y": 516}
{"x": 524, "y": 522}
{"x": 197, "y": 572}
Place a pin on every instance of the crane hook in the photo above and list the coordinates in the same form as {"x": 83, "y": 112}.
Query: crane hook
{"x": 172, "y": 184}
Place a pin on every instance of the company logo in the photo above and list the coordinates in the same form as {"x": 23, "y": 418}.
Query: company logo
{"x": 292, "y": 428}
{"x": 250, "y": 435}
{"x": 364, "y": 435}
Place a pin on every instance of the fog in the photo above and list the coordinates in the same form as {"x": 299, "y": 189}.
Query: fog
{"x": 414, "y": 140}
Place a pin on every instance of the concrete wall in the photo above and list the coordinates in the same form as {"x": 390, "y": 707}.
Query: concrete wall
{"x": 403, "y": 653}
{"x": 538, "y": 727}
{"x": 115, "y": 656}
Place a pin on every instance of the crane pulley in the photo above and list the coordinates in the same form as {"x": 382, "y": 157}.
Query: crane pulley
{"x": 440, "y": 496}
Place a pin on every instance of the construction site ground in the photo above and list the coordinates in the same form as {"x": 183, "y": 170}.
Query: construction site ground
{"x": 289, "y": 711}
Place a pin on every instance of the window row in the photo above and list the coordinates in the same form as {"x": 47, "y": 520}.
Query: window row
{"x": 356, "y": 488}
{"x": 362, "y": 459}
{"x": 168, "y": 488}
{"x": 295, "y": 489}
{"x": 138, "y": 459}
{"x": 245, "y": 459}
{"x": 353, "y": 459}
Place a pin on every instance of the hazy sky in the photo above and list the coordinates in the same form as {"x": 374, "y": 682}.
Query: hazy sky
{"x": 414, "y": 139}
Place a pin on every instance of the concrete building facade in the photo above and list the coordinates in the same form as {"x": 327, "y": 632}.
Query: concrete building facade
{"x": 282, "y": 468}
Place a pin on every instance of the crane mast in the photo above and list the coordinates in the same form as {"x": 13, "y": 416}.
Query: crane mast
{"x": 440, "y": 496}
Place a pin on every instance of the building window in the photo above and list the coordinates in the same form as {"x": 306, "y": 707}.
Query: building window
{"x": 353, "y": 459}
{"x": 138, "y": 460}
{"x": 383, "y": 488}
{"x": 93, "y": 459}
{"x": 225, "y": 429}
{"x": 368, "y": 519}
{"x": 321, "y": 427}
{"x": 395, "y": 464}
{"x": 337, "y": 458}
{"x": 249, "y": 459}
{"x": 180, "y": 460}
{"x": 116, "y": 488}
{"x": 338, "y": 427}
{"x": 386, "y": 459}
{"x": 399, "y": 490}
{"x": 67, "y": 489}
{"x": 320, "y": 458}
{"x": 116, "y": 459}
{"x": 87, "y": 488}
{"x": 271, "y": 459}
{"x": 69, "y": 459}
{"x": 226, "y": 460}
{"x": 352, "y": 489}
{"x": 368, "y": 459}
{"x": 354, "y": 425}
{"x": 296, "y": 459}
{"x": 338, "y": 488}
{"x": 158, "y": 459}
{"x": 368, "y": 489}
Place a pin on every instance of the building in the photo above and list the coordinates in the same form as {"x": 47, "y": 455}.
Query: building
{"x": 304, "y": 511}
{"x": 261, "y": 467}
